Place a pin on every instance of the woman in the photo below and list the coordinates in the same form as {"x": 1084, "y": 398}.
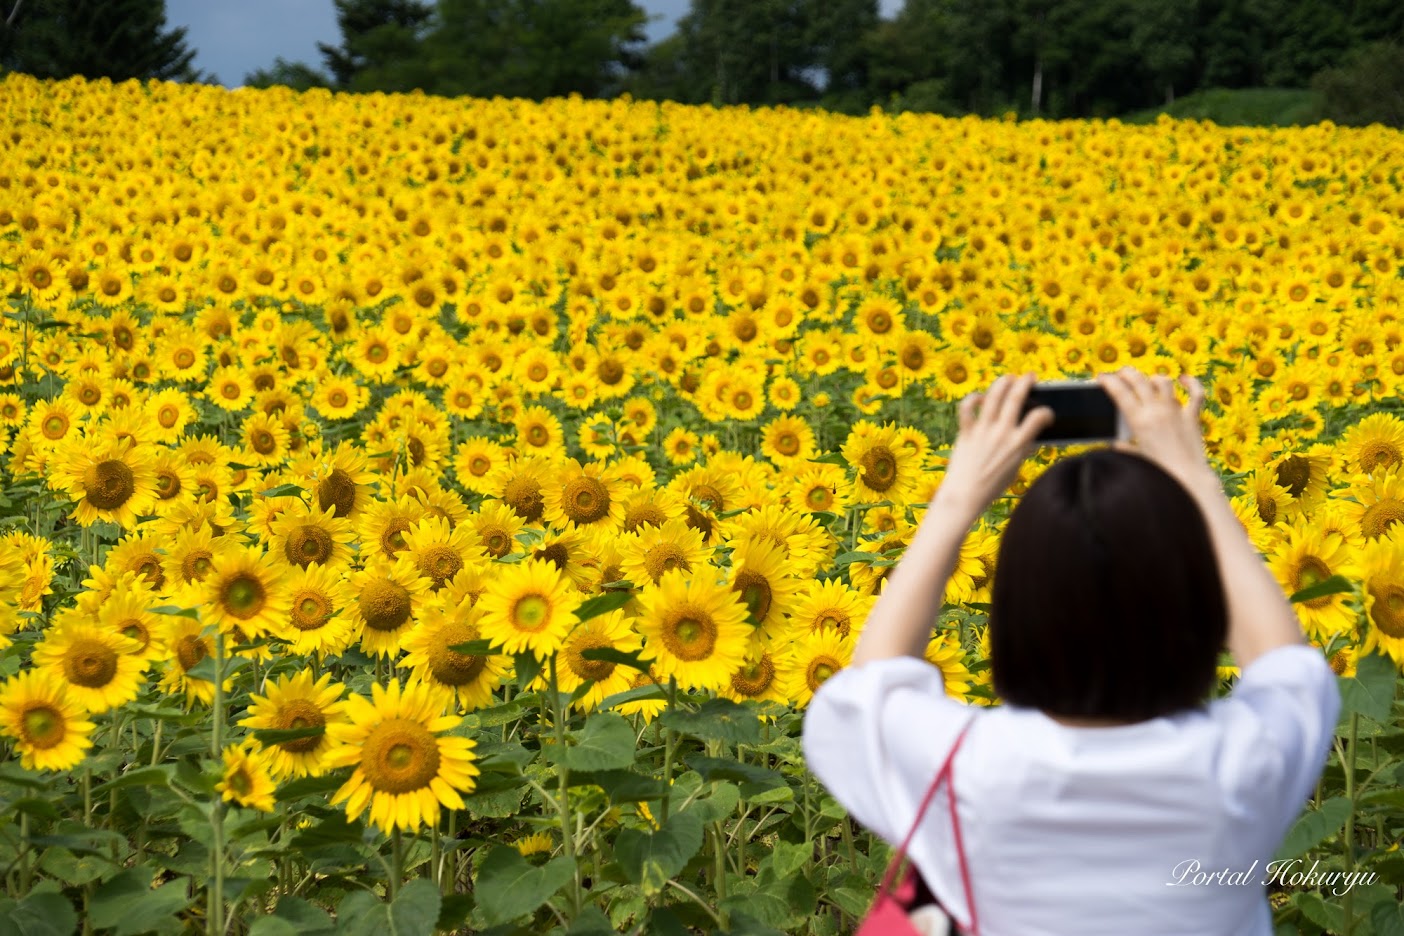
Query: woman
{"x": 1104, "y": 796}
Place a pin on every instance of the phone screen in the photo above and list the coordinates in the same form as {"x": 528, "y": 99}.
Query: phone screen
{"x": 1081, "y": 412}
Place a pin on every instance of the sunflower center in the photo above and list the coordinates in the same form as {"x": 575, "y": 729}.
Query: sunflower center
{"x": 440, "y": 563}
{"x": 646, "y": 514}
{"x": 308, "y": 544}
{"x": 787, "y": 443}
{"x": 337, "y": 490}
{"x": 753, "y": 679}
{"x": 479, "y": 465}
{"x": 523, "y": 495}
{"x": 819, "y": 498}
{"x": 879, "y": 468}
{"x": 531, "y": 613}
{"x": 450, "y": 667}
{"x": 834, "y": 619}
{"x": 1293, "y": 473}
{"x": 820, "y": 669}
{"x": 496, "y": 541}
{"x": 109, "y": 484}
{"x": 300, "y": 713}
{"x": 167, "y": 484}
{"x": 1374, "y": 455}
{"x": 400, "y": 756}
{"x": 1387, "y": 610}
{"x": 585, "y": 500}
{"x": 590, "y": 670}
{"x": 90, "y": 663}
{"x": 310, "y": 610}
{"x": 42, "y": 726}
{"x": 190, "y": 650}
{"x": 1267, "y": 510}
{"x": 1380, "y": 516}
{"x": 538, "y": 435}
{"x": 1313, "y": 571}
{"x": 691, "y": 636}
{"x": 755, "y": 592}
{"x": 263, "y": 442}
{"x": 665, "y": 556}
{"x": 243, "y": 596}
{"x": 196, "y": 565}
{"x": 385, "y": 605}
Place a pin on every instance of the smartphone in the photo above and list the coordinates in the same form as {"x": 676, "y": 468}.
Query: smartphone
{"x": 1082, "y": 412}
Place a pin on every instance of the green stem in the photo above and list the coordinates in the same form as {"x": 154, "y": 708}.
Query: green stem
{"x": 563, "y": 791}
{"x": 848, "y": 844}
{"x": 669, "y": 743}
{"x": 397, "y": 862}
{"x": 214, "y": 917}
{"x": 1348, "y": 840}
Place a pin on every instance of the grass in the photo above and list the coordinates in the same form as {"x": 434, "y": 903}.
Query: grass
{"x": 1258, "y": 107}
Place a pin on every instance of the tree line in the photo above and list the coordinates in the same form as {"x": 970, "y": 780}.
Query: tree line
{"x": 1050, "y": 58}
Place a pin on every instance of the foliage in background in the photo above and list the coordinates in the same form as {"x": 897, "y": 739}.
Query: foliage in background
{"x": 116, "y": 39}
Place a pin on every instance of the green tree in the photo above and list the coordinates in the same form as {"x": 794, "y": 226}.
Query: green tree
{"x": 377, "y": 36}
{"x": 296, "y": 75}
{"x": 116, "y": 39}
{"x": 1163, "y": 36}
{"x": 748, "y": 51}
{"x": 1368, "y": 88}
{"x": 836, "y": 32}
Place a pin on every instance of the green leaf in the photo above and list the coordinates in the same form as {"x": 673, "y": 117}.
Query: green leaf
{"x": 786, "y": 858}
{"x": 605, "y": 743}
{"x": 1387, "y": 918}
{"x": 720, "y": 768}
{"x": 454, "y": 911}
{"x": 273, "y": 926}
{"x": 1334, "y": 585}
{"x": 637, "y": 694}
{"x": 617, "y": 657}
{"x": 527, "y": 666}
{"x": 1370, "y": 692}
{"x": 856, "y": 556}
{"x": 192, "y": 613}
{"x": 830, "y": 458}
{"x": 37, "y": 808}
{"x": 621, "y": 786}
{"x": 716, "y": 720}
{"x": 1320, "y": 912}
{"x": 282, "y": 490}
{"x": 650, "y": 859}
{"x": 602, "y": 604}
{"x": 591, "y": 922}
{"x": 271, "y": 736}
{"x": 413, "y": 912}
{"x": 72, "y": 869}
{"x": 507, "y": 887}
{"x": 477, "y": 648}
{"x": 307, "y": 917}
{"x": 310, "y": 786}
{"x": 1313, "y": 827}
{"x": 159, "y": 776}
{"x": 40, "y": 913}
{"x": 128, "y": 904}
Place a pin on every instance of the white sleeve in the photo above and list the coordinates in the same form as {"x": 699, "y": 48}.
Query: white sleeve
{"x": 1279, "y": 722}
{"x": 876, "y": 734}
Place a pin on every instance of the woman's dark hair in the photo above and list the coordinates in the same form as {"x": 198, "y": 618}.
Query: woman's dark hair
{"x": 1106, "y": 600}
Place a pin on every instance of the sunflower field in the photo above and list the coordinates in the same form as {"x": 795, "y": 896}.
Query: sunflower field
{"x": 426, "y": 515}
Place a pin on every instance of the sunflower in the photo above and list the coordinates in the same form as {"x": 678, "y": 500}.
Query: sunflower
{"x": 885, "y": 470}
{"x": 539, "y": 432}
{"x": 50, "y": 730}
{"x": 652, "y": 550}
{"x": 529, "y": 607}
{"x": 759, "y": 576}
{"x": 650, "y": 506}
{"x": 647, "y": 708}
{"x": 574, "y": 670}
{"x": 1378, "y": 504}
{"x": 383, "y": 600}
{"x": 583, "y": 496}
{"x": 127, "y": 612}
{"x": 495, "y": 527}
{"x": 315, "y": 594}
{"x": 1306, "y": 557}
{"x": 478, "y": 464}
{"x": 406, "y": 763}
{"x": 188, "y": 559}
{"x": 1374, "y": 444}
{"x": 694, "y": 627}
{"x": 382, "y": 526}
{"x": 1382, "y": 574}
{"x": 439, "y": 550}
{"x": 831, "y": 605}
{"x": 100, "y": 669}
{"x": 787, "y": 440}
{"x": 944, "y": 652}
{"x": 443, "y": 625}
{"x": 305, "y": 535}
{"x": 811, "y": 660}
{"x": 1303, "y": 476}
{"x": 266, "y": 439}
{"x": 756, "y": 679}
{"x": 819, "y": 488}
{"x": 342, "y": 481}
{"x": 680, "y": 446}
{"x": 244, "y": 592}
{"x": 292, "y": 702}
{"x": 107, "y": 479}
{"x": 245, "y": 781}
{"x": 1271, "y": 501}
{"x": 139, "y": 553}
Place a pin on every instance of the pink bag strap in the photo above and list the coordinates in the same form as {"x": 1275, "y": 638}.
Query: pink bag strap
{"x": 943, "y": 774}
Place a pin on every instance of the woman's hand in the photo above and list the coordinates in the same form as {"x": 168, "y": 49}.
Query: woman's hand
{"x": 1163, "y": 431}
{"x": 991, "y": 445}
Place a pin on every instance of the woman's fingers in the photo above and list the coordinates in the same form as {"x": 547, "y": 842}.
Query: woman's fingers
{"x": 994, "y": 398}
{"x": 1013, "y": 401}
{"x": 1196, "y": 392}
{"x": 1035, "y": 421}
{"x": 966, "y": 412}
{"x": 1162, "y": 388}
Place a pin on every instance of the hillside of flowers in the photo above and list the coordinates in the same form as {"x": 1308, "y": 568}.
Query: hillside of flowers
{"x": 435, "y": 515}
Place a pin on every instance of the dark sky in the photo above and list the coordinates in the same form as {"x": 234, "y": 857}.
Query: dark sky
{"x": 234, "y": 37}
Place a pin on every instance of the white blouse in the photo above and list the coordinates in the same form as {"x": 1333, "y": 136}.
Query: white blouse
{"x": 1167, "y": 826}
